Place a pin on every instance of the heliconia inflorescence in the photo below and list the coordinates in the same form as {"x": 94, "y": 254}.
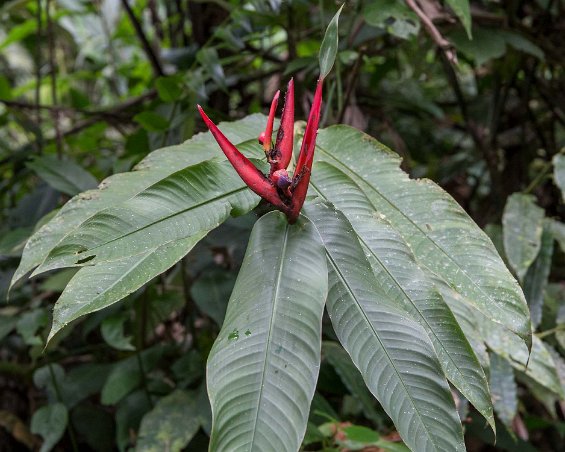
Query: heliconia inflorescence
{"x": 285, "y": 192}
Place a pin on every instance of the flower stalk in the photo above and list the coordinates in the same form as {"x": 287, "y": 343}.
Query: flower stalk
{"x": 287, "y": 193}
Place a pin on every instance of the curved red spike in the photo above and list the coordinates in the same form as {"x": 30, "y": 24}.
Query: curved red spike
{"x": 285, "y": 136}
{"x": 267, "y": 135}
{"x": 304, "y": 165}
{"x": 246, "y": 170}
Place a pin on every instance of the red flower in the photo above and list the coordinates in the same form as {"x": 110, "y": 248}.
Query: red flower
{"x": 286, "y": 193}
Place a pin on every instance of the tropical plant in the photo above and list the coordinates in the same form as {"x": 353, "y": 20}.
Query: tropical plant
{"x": 363, "y": 283}
{"x": 399, "y": 266}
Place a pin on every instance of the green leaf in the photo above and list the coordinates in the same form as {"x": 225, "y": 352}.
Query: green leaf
{"x": 503, "y": 388}
{"x": 557, "y": 230}
{"x": 394, "y": 16}
{"x": 407, "y": 284}
{"x": 184, "y": 205}
{"x": 537, "y": 365}
{"x": 361, "y": 434}
{"x": 129, "y": 414}
{"x": 486, "y": 44}
{"x": 490, "y": 43}
{"x": 128, "y": 374}
{"x": 461, "y": 8}
{"x": 30, "y": 323}
{"x": 19, "y": 32}
{"x": 5, "y": 89}
{"x": 440, "y": 233}
{"x": 170, "y": 425}
{"x": 328, "y": 49}
{"x": 63, "y": 175}
{"x": 466, "y": 316}
{"x": 211, "y": 292}
{"x": 151, "y": 121}
{"x": 169, "y": 88}
{"x": 94, "y": 425}
{"x": 188, "y": 368}
{"x": 351, "y": 378}
{"x": 393, "y": 353}
{"x": 522, "y": 223}
{"x": 7, "y": 325}
{"x": 13, "y": 241}
{"x": 208, "y": 58}
{"x": 115, "y": 189}
{"x": 112, "y": 330}
{"x": 521, "y": 44}
{"x": 50, "y": 422}
{"x": 559, "y": 172}
{"x": 358, "y": 437}
{"x": 267, "y": 354}
{"x": 537, "y": 276}
{"x": 541, "y": 367}
{"x": 99, "y": 286}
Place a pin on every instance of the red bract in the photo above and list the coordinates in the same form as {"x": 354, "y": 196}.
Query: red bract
{"x": 266, "y": 137}
{"x": 284, "y": 192}
{"x": 282, "y": 153}
{"x": 306, "y": 157}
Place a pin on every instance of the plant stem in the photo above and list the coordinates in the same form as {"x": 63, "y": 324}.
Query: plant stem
{"x": 189, "y": 302}
{"x": 546, "y": 333}
{"x": 39, "y": 141}
{"x": 141, "y": 331}
{"x": 157, "y": 69}
{"x": 53, "y": 71}
{"x": 539, "y": 178}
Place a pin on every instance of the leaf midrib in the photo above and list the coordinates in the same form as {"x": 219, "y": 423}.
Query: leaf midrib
{"x": 269, "y": 334}
{"x": 376, "y": 335}
{"x": 444, "y": 252}
{"x": 163, "y": 219}
{"x": 409, "y": 298}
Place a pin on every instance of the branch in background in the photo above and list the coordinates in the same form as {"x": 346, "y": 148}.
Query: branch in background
{"x": 157, "y": 69}
{"x": 109, "y": 45}
{"x": 351, "y": 84}
{"x": 445, "y": 46}
{"x": 489, "y": 154}
{"x": 53, "y": 71}
{"x": 111, "y": 115}
{"x": 38, "y": 37}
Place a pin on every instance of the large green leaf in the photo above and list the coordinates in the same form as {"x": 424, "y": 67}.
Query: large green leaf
{"x": 559, "y": 172}
{"x": 263, "y": 367}
{"x": 115, "y": 189}
{"x": 537, "y": 365}
{"x": 170, "y": 425}
{"x": 50, "y": 422}
{"x": 393, "y": 353}
{"x": 537, "y": 276}
{"x": 63, "y": 175}
{"x": 98, "y": 286}
{"x": 504, "y": 389}
{"x": 439, "y": 232}
{"x": 393, "y": 16}
{"x": 461, "y": 8}
{"x": 402, "y": 279}
{"x": 522, "y": 223}
{"x": 466, "y": 316}
{"x": 184, "y": 204}
{"x": 557, "y": 230}
{"x": 352, "y": 379}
